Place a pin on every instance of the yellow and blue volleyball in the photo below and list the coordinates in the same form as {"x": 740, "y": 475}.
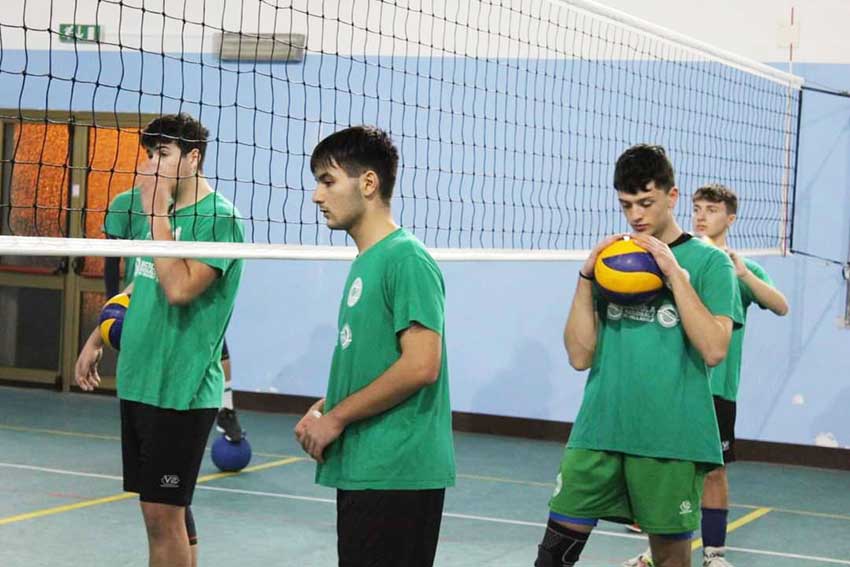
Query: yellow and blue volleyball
{"x": 627, "y": 274}
{"x": 112, "y": 319}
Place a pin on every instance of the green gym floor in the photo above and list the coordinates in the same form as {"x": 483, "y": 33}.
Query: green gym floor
{"x": 61, "y": 502}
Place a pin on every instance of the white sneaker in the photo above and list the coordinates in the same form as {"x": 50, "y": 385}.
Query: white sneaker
{"x": 642, "y": 560}
{"x": 714, "y": 557}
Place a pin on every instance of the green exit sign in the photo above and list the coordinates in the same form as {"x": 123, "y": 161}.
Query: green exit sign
{"x": 70, "y": 33}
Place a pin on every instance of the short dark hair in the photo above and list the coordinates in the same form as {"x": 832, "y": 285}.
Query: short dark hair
{"x": 180, "y": 129}
{"x": 641, "y": 164}
{"x": 358, "y": 149}
{"x": 717, "y": 193}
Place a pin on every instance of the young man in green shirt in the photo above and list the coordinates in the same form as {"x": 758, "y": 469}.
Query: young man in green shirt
{"x": 126, "y": 220}
{"x": 383, "y": 434}
{"x": 169, "y": 372}
{"x": 646, "y": 433}
{"x": 715, "y": 208}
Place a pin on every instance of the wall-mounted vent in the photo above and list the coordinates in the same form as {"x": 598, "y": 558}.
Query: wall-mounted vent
{"x": 251, "y": 47}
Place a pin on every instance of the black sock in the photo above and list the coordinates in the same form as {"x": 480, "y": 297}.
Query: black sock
{"x": 714, "y": 527}
{"x": 190, "y": 527}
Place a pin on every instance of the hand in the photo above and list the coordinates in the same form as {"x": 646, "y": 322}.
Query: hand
{"x": 590, "y": 263}
{"x": 156, "y": 190}
{"x": 317, "y": 431}
{"x": 660, "y": 251}
{"x": 314, "y": 412}
{"x": 741, "y": 269}
{"x": 85, "y": 370}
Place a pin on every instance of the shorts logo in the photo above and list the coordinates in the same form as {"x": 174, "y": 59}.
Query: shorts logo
{"x": 667, "y": 316}
{"x": 685, "y": 508}
{"x": 725, "y": 445}
{"x": 169, "y": 481}
{"x": 345, "y": 336}
{"x": 559, "y": 483}
{"x": 354, "y": 292}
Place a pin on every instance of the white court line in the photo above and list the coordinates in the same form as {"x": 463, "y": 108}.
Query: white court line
{"x": 61, "y": 471}
{"x": 445, "y": 514}
{"x": 535, "y": 525}
{"x": 789, "y": 555}
{"x": 269, "y": 494}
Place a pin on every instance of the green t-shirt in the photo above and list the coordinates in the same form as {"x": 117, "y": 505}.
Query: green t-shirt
{"x": 408, "y": 447}
{"x": 171, "y": 354}
{"x": 726, "y": 376}
{"x": 649, "y": 393}
{"x": 126, "y": 219}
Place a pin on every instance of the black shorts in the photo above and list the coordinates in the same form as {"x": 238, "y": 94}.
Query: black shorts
{"x": 726, "y": 412}
{"x": 388, "y": 528}
{"x": 162, "y": 451}
{"x": 225, "y": 354}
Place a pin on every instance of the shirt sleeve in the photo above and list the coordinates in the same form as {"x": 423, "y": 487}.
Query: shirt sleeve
{"x": 417, "y": 294}
{"x": 223, "y": 228}
{"x": 761, "y": 274}
{"x": 719, "y": 291}
{"x": 116, "y": 222}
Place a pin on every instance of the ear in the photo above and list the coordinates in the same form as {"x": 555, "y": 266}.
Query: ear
{"x": 189, "y": 162}
{"x": 195, "y": 160}
{"x": 369, "y": 183}
{"x": 730, "y": 219}
{"x": 673, "y": 196}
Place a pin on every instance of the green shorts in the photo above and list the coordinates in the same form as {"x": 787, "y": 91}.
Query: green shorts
{"x": 661, "y": 495}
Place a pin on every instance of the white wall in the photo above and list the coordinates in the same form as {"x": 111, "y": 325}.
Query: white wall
{"x": 748, "y": 28}
{"x": 751, "y": 27}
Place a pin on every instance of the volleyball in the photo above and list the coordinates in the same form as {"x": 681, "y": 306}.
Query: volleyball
{"x": 627, "y": 274}
{"x": 112, "y": 320}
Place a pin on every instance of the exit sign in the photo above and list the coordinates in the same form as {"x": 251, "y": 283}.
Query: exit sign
{"x": 70, "y": 33}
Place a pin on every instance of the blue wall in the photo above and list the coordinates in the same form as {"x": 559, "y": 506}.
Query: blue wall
{"x": 504, "y": 320}
{"x": 507, "y": 153}
{"x": 805, "y": 354}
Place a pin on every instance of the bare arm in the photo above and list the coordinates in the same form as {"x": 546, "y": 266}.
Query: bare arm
{"x": 580, "y": 329}
{"x": 708, "y": 333}
{"x": 417, "y": 367}
{"x": 182, "y": 280}
{"x": 765, "y": 294}
{"x": 85, "y": 369}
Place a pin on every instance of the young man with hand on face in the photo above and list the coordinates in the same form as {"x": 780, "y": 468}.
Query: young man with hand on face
{"x": 169, "y": 372}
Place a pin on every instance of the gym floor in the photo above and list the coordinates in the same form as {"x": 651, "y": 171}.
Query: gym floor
{"x": 61, "y": 502}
